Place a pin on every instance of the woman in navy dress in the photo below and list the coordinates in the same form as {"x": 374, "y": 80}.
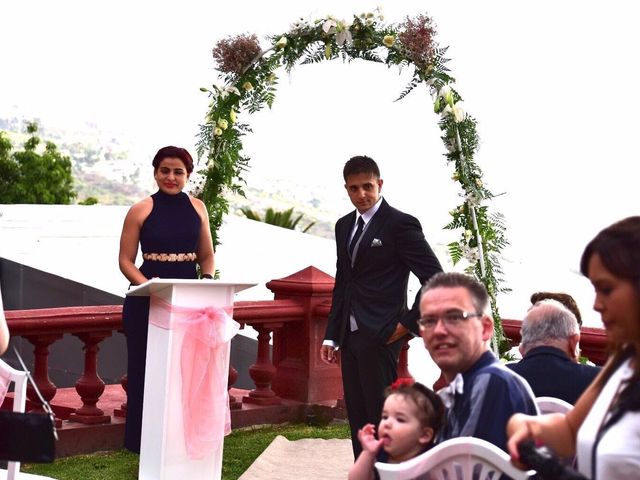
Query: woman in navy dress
{"x": 172, "y": 230}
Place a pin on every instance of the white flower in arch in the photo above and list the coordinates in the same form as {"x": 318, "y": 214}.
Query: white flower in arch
{"x": 340, "y": 28}
{"x": 458, "y": 113}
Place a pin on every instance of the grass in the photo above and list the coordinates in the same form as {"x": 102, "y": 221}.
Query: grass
{"x": 120, "y": 464}
{"x": 241, "y": 448}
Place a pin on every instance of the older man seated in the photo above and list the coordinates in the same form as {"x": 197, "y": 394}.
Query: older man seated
{"x": 456, "y": 328}
{"x": 549, "y": 347}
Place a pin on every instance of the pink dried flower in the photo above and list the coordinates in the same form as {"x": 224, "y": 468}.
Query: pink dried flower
{"x": 417, "y": 39}
{"x": 235, "y": 54}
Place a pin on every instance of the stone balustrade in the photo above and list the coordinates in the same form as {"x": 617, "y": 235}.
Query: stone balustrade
{"x": 294, "y": 323}
{"x": 42, "y": 327}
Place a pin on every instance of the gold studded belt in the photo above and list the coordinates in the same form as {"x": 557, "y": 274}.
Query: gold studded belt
{"x": 170, "y": 257}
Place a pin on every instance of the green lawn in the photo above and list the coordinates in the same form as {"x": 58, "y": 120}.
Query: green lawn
{"x": 241, "y": 448}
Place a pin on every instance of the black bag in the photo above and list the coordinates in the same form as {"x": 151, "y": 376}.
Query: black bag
{"x": 547, "y": 465}
{"x": 28, "y": 437}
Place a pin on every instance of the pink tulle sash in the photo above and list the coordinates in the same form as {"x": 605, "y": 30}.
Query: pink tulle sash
{"x": 205, "y": 401}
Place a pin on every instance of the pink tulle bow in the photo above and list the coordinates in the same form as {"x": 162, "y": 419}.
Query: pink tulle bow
{"x": 205, "y": 401}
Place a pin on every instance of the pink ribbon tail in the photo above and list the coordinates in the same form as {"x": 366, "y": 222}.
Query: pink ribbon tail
{"x": 204, "y": 366}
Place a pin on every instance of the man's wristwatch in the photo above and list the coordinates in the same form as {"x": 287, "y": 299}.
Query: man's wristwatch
{"x": 208, "y": 276}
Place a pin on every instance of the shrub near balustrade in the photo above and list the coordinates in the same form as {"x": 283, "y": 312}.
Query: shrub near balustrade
{"x": 249, "y": 80}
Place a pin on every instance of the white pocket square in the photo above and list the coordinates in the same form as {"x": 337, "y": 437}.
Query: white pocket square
{"x": 376, "y": 242}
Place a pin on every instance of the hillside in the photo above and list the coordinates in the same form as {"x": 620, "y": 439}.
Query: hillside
{"x": 107, "y": 167}
{"x": 283, "y": 194}
{"x": 101, "y": 166}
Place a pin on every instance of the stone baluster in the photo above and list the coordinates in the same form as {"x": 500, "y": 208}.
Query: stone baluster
{"x": 122, "y": 411}
{"x": 234, "y": 403}
{"x": 441, "y": 382}
{"x": 403, "y": 362}
{"x": 263, "y": 371}
{"x": 90, "y": 386}
{"x": 41, "y": 343}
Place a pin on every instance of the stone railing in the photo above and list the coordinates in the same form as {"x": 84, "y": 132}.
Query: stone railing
{"x": 43, "y": 327}
{"x": 593, "y": 341}
{"x": 294, "y": 321}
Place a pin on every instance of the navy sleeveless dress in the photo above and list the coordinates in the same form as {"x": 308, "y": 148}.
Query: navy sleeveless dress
{"x": 173, "y": 226}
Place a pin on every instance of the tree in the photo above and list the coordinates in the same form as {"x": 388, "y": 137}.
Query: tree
{"x": 30, "y": 177}
{"x": 89, "y": 201}
{"x": 282, "y": 219}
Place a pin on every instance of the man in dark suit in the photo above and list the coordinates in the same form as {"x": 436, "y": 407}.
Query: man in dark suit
{"x": 549, "y": 347}
{"x": 377, "y": 247}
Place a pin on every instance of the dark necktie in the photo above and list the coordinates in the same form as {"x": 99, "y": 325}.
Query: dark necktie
{"x": 356, "y": 236}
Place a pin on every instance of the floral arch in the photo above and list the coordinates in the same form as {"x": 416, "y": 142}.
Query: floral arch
{"x": 249, "y": 81}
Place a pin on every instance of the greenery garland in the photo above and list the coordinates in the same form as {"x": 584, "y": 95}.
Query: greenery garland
{"x": 249, "y": 81}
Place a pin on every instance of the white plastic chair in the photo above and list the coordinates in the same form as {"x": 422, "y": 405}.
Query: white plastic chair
{"x": 19, "y": 379}
{"x": 556, "y": 405}
{"x": 552, "y": 405}
{"x": 462, "y": 458}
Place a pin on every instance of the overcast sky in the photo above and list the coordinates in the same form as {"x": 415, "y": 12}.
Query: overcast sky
{"x": 553, "y": 85}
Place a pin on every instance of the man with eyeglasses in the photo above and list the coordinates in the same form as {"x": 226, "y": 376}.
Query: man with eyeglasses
{"x": 482, "y": 393}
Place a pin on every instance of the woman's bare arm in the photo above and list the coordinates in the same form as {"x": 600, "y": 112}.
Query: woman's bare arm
{"x": 130, "y": 238}
{"x": 205, "y": 243}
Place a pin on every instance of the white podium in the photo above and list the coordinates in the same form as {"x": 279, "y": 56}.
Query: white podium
{"x": 163, "y": 450}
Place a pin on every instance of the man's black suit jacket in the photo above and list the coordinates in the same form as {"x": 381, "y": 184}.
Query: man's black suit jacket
{"x": 551, "y": 373}
{"x": 375, "y": 288}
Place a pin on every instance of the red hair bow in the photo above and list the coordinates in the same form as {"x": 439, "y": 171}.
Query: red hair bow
{"x": 402, "y": 382}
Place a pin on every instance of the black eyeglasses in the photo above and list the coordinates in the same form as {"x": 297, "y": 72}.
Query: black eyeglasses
{"x": 450, "y": 319}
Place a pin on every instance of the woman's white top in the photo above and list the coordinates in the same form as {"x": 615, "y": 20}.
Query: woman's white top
{"x": 618, "y": 452}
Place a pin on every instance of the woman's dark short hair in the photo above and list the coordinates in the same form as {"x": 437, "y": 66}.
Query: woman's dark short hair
{"x": 360, "y": 164}
{"x": 618, "y": 246}
{"x": 173, "y": 152}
